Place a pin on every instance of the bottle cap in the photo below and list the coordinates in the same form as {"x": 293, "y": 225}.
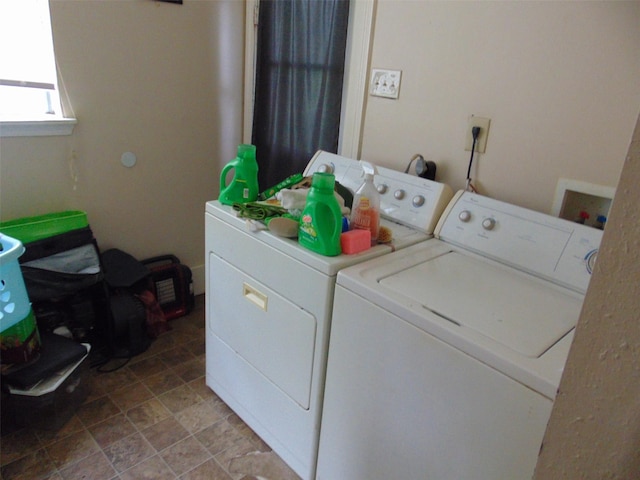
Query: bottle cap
{"x": 245, "y": 148}
{"x": 323, "y": 180}
{"x": 369, "y": 169}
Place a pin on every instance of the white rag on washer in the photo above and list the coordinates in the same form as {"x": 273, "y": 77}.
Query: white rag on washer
{"x": 296, "y": 199}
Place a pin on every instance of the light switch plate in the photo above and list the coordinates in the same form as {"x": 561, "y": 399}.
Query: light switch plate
{"x": 385, "y": 83}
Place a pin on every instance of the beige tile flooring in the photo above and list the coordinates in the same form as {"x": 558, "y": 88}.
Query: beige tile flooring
{"x": 153, "y": 419}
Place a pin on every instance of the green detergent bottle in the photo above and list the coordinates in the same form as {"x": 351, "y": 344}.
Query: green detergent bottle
{"x": 243, "y": 187}
{"x": 321, "y": 220}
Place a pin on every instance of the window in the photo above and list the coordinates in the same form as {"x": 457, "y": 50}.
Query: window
{"x": 298, "y": 88}
{"x": 356, "y": 73}
{"x": 28, "y": 80}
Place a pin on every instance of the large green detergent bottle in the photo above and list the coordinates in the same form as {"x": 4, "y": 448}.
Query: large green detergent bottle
{"x": 243, "y": 187}
{"x": 321, "y": 220}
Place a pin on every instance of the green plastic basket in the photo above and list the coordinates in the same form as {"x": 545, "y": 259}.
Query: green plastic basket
{"x": 30, "y": 229}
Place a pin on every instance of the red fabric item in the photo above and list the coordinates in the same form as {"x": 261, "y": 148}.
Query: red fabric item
{"x": 156, "y": 321}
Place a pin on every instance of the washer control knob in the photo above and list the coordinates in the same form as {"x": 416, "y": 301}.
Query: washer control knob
{"x": 326, "y": 168}
{"x": 418, "y": 201}
{"x": 464, "y": 216}
{"x": 382, "y": 188}
{"x": 399, "y": 194}
{"x": 489, "y": 223}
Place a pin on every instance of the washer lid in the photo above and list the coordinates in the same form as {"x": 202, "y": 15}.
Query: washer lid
{"x": 517, "y": 310}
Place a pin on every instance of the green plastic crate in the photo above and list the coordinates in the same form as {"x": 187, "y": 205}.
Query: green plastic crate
{"x": 30, "y": 229}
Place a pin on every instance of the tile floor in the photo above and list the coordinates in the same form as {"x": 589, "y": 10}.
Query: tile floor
{"x": 153, "y": 419}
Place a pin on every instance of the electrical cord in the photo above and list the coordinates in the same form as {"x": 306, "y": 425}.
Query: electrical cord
{"x": 414, "y": 158}
{"x": 475, "y": 132}
{"x": 101, "y": 367}
{"x": 424, "y": 168}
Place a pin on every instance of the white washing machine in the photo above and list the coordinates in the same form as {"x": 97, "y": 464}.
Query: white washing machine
{"x": 269, "y": 304}
{"x": 445, "y": 357}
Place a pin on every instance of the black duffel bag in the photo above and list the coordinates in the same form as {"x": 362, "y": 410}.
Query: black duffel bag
{"x": 61, "y": 265}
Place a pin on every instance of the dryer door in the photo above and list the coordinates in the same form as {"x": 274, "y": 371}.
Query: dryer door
{"x": 272, "y": 334}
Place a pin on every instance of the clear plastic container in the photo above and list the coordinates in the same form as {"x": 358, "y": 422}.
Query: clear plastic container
{"x": 365, "y": 213}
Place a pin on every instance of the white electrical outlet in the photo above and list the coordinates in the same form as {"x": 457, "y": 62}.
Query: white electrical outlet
{"x": 385, "y": 83}
{"x": 481, "y": 142}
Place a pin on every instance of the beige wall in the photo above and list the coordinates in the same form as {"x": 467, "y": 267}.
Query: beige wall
{"x": 559, "y": 81}
{"x": 160, "y": 80}
{"x": 594, "y": 431}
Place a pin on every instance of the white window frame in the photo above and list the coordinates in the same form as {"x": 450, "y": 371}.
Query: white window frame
{"x": 37, "y": 128}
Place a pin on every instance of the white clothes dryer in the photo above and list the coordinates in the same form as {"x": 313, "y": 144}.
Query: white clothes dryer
{"x": 269, "y": 304}
{"x": 445, "y": 357}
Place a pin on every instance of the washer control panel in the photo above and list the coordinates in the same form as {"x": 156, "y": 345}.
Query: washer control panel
{"x": 406, "y": 199}
{"x": 549, "y": 247}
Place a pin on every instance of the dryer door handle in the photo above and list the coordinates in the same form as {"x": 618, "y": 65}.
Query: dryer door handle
{"x": 255, "y": 296}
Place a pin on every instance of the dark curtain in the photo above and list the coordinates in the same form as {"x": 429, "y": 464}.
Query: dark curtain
{"x": 299, "y": 74}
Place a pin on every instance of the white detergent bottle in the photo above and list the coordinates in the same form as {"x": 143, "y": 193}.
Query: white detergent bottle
{"x": 365, "y": 213}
